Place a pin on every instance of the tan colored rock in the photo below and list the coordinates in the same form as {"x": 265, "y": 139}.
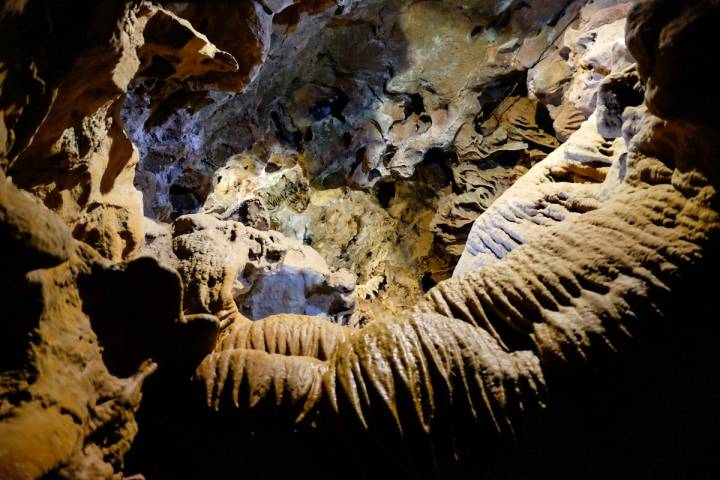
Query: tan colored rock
{"x": 68, "y": 390}
{"x": 575, "y": 263}
{"x": 569, "y": 76}
{"x": 457, "y": 213}
{"x": 491, "y": 157}
{"x": 617, "y": 92}
{"x": 553, "y": 283}
{"x": 385, "y": 242}
{"x": 75, "y": 351}
{"x": 670, "y": 44}
{"x": 79, "y": 161}
{"x": 578, "y": 258}
{"x": 264, "y": 273}
{"x": 586, "y": 151}
{"x": 244, "y": 30}
{"x": 567, "y": 120}
{"x": 31, "y": 238}
{"x": 513, "y": 125}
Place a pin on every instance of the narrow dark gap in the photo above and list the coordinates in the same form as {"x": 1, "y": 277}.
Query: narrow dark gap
{"x": 415, "y": 105}
{"x": 330, "y": 107}
{"x": 428, "y": 281}
{"x": 385, "y": 193}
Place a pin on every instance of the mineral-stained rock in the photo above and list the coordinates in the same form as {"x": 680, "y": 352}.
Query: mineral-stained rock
{"x": 582, "y": 162}
{"x": 457, "y": 213}
{"x": 337, "y": 173}
{"x": 250, "y": 212}
{"x": 263, "y": 272}
{"x": 568, "y": 77}
{"x": 78, "y": 340}
{"x": 572, "y": 263}
{"x": 567, "y": 268}
{"x": 358, "y": 119}
{"x": 312, "y": 118}
{"x": 31, "y": 238}
{"x": 376, "y": 235}
{"x": 597, "y": 48}
{"x": 244, "y": 30}
{"x": 670, "y": 49}
{"x": 74, "y": 352}
{"x": 516, "y": 123}
{"x": 617, "y": 92}
{"x": 78, "y": 160}
{"x": 491, "y": 156}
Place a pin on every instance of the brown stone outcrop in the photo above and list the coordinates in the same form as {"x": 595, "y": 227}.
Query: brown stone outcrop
{"x": 69, "y": 386}
{"x": 578, "y": 263}
{"x": 75, "y": 155}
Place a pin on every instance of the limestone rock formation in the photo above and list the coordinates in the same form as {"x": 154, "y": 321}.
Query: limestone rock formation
{"x": 68, "y": 389}
{"x": 74, "y": 153}
{"x": 668, "y": 48}
{"x": 374, "y": 122}
{"x": 389, "y": 238}
{"x": 383, "y": 238}
{"x": 264, "y": 273}
{"x": 575, "y": 260}
{"x": 591, "y": 48}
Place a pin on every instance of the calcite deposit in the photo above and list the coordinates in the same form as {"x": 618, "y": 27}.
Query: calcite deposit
{"x": 358, "y": 239}
{"x": 397, "y": 124}
{"x": 264, "y": 272}
{"x": 70, "y": 387}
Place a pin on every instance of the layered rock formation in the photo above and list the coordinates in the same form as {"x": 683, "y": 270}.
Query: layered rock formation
{"x": 387, "y": 238}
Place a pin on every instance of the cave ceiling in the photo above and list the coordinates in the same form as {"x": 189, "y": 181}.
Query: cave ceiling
{"x": 355, "y": 239}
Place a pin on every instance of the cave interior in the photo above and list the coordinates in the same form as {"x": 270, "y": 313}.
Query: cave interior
{"x": 359, "y": 239}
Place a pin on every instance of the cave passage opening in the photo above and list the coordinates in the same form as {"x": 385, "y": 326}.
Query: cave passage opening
{"x": 353, "y": 135}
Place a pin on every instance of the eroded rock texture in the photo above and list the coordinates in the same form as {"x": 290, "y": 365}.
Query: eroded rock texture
{"x": 66, "y": 408}
{"x": 569, "y": 266}
{"x": 70, "y": 386}
{"x": 264, "y": 273}
{"x": 383, "y": 239}
{"x": 67, "y": 144}
{"x": 418, "y": 144}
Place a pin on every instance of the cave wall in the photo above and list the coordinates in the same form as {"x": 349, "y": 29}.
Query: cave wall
{"x": 66, "y": 143}
{"x": 68, "y": 397}
{"x": 556, "y": 201}
{"x": 383, "y": 159}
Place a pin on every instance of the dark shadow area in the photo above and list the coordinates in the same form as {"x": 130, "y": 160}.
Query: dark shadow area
{"x": 22, "y": 301}
{"x": 648, "y": 414}
{"x": 135, "y": 312}
{"x": 131, "y": 322}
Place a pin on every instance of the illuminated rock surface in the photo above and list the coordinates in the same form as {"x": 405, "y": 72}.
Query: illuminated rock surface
{"x": 458, "y": 239}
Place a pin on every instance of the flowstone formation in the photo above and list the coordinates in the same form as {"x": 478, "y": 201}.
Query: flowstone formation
{"x": 396, "y": 239}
